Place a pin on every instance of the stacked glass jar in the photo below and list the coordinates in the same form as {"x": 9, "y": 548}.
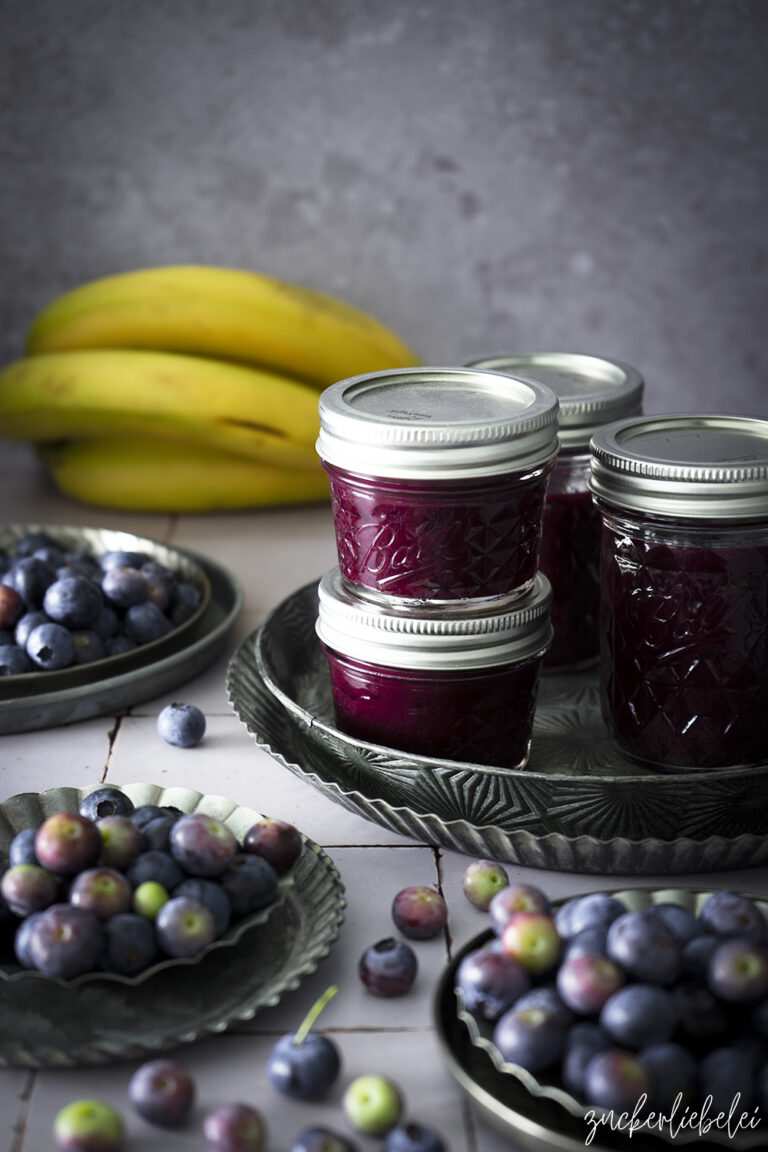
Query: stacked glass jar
{"x": 437, "y": 619}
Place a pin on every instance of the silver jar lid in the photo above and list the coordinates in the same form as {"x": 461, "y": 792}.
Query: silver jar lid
{"x": 434, "y": 639}
{"x": 591, "y": 390}
{"x": 437, "y": 423}
{"x": 703, "y": 467}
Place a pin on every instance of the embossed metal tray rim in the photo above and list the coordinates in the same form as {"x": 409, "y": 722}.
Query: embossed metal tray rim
{"x": 635, "y": 900}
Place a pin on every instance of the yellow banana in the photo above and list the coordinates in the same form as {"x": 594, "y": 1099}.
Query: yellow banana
{"x": 189, "y": 398}
{"x": 146, "y": 474}
{"x": 227, "y": 313}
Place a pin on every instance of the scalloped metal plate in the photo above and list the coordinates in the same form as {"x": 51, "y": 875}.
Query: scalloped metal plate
{"x": 53, "y": 1023}
{"x": 480, "y": 1031}
{"x": 540, "y": 819}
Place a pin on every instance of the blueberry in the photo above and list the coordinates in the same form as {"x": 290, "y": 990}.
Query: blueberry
{"x": 119, "y": 645}
{"x": 182, "y": 725}
{"x": 683, "y": 925}
{"x": 702, "y": 1017}
{"x": 29, "y": 542}
{"x": 145, "y": 623}
{"x": 490, "y": 982}
{"x": 161, "y": 584}
{"x": 107, "y": 623}
{"x": 146, "y": 812}
{"x": 119, "y": 558}
{"x": 413, "y": 1137}
{"x": 597, "y": 910}
{"x": 22, "y": 938}
{"x": 639, "y": 1015}
{"x": 106, "y": 801}
{"x": 305, "y": 1070}
{"x": 129, "y": 944}
{"x": 388, "y": 968}
{"x": 124, "y": 587}
{"x": 583, "y": 1041}
{"x": 14, "y": 661}
{"x": 157, "y": 833}
{"x": 185, "y": 603}
{"x": 50, "y": 646}
{"x": 724, "y": 1074}
{"x": 592, "y": 941}
{"x": 73, "y": 601}
{"x": 31, "y": 578}
{"x": 89, "y": 646}
{"x": 27, "y": 622}
{"x": 697, "y": 953}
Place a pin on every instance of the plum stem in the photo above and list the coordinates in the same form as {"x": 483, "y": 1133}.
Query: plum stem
{"x": 313, "y": 1014}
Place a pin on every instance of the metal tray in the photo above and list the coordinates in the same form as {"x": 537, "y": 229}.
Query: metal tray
{"x": 55, "y": 702}
{"x": 47, "y": 1024}
{"x": 532, "y": 1123}
{"x": 481, "y": 1031}
{"x": 581, "y": 819}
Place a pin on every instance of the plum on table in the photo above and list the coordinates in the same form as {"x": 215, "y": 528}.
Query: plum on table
{"x": 388, "y": 967}
{"x": 419, "y": 912}
{"x": 162, "y": 1092}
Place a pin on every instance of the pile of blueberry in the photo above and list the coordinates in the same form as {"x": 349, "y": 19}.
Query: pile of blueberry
{"x": 115, "y": 888}
{"x": 658, "y": 1009}
{"x": 60, "y": 608}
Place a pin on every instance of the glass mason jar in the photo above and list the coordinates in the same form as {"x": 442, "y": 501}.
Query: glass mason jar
{"x": 453, "y": 684}
{"x": 437, "y": 479}
{"x": 591, "y": 391}
{"x": 684, "y": 574}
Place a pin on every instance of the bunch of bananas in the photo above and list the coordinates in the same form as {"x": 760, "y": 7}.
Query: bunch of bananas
{"x": 187, "y": 388}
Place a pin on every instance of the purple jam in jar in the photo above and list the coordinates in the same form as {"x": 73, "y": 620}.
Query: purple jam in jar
{"x": 451, "y": 684}
{"x": 438, "y": 479}
{"x": 439, "y": 539}
{"x": 684, "y": 574}
{"x": 592, "y": 392}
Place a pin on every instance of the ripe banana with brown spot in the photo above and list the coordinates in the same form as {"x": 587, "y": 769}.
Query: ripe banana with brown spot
{"x": 191, "y": 399}
{"x": 146, "y": 474}
{"x": 227, "y": 313}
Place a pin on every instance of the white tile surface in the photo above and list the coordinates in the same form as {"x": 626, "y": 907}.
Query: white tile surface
{"x": 271, "y": 553}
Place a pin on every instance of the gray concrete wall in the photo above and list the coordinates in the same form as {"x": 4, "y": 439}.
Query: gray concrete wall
{"x": 483, "y": 175}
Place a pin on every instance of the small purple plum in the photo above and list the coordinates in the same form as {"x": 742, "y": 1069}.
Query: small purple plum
{"x": 516, "y": 898}
{"x": 276, "y": 840}
{"x": 250, "y": 882}
{"x": 103, "y": 891}
{"x": 235, "y": 1128}
{"x": 184, "y": 927}
{"x": 419, "y": 912}
{"x": 129, "y": 944}
{"x": 89, "y": 1126}
{"x": 303, "y": 1064}
{"x": 65, "y": 941}
{"x": 215, "y": 899}
{"x": 481, "y": 881}
{"x": 616, "y": 1079}
{"x": 121, "y": 841}
{"x": 28, "y": 888}
{"x": 731, "y": 914}
{"x": 639, "y": 1015}
{"x": 490, "y": 982}
{"x": 532, "y": 939}
{"x": 162, "y": 1092}
{"x": 202, "y": 845}
{"x": 67, "y": 843}
{"x": 642, "y": 944}
{"x": 532, "y": 1037}
{"x": 595, "y": 910}
{"x": 673, "y": 1072}
{"x": 586, "y": 981}
{"x": 738, "y": 971}
{"x": 388, "y": 968}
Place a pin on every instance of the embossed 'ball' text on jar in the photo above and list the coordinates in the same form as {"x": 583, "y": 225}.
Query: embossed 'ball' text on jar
{"x": 592, "y": 391}
{"x": 684, "y": 585}
{"x": 438, "y": 478}
{"x": 455, "y": 684}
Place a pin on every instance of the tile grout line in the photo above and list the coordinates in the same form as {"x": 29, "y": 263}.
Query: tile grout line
{"x": 20, "y": 1127}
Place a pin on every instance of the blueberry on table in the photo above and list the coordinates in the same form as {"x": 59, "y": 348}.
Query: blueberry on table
{"x": 162, "y": 1092}
{"x": 50, "y": 647}
{"x": 182, "y": 725}
{"x": 276, "y": 840}
{"x": 388, "y": 968}
{"x": 419, "y": 912}
{"x": 89, "y": 1126}
{"x": 303, "y": 1065}
{"x": 235, "y": 1128}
